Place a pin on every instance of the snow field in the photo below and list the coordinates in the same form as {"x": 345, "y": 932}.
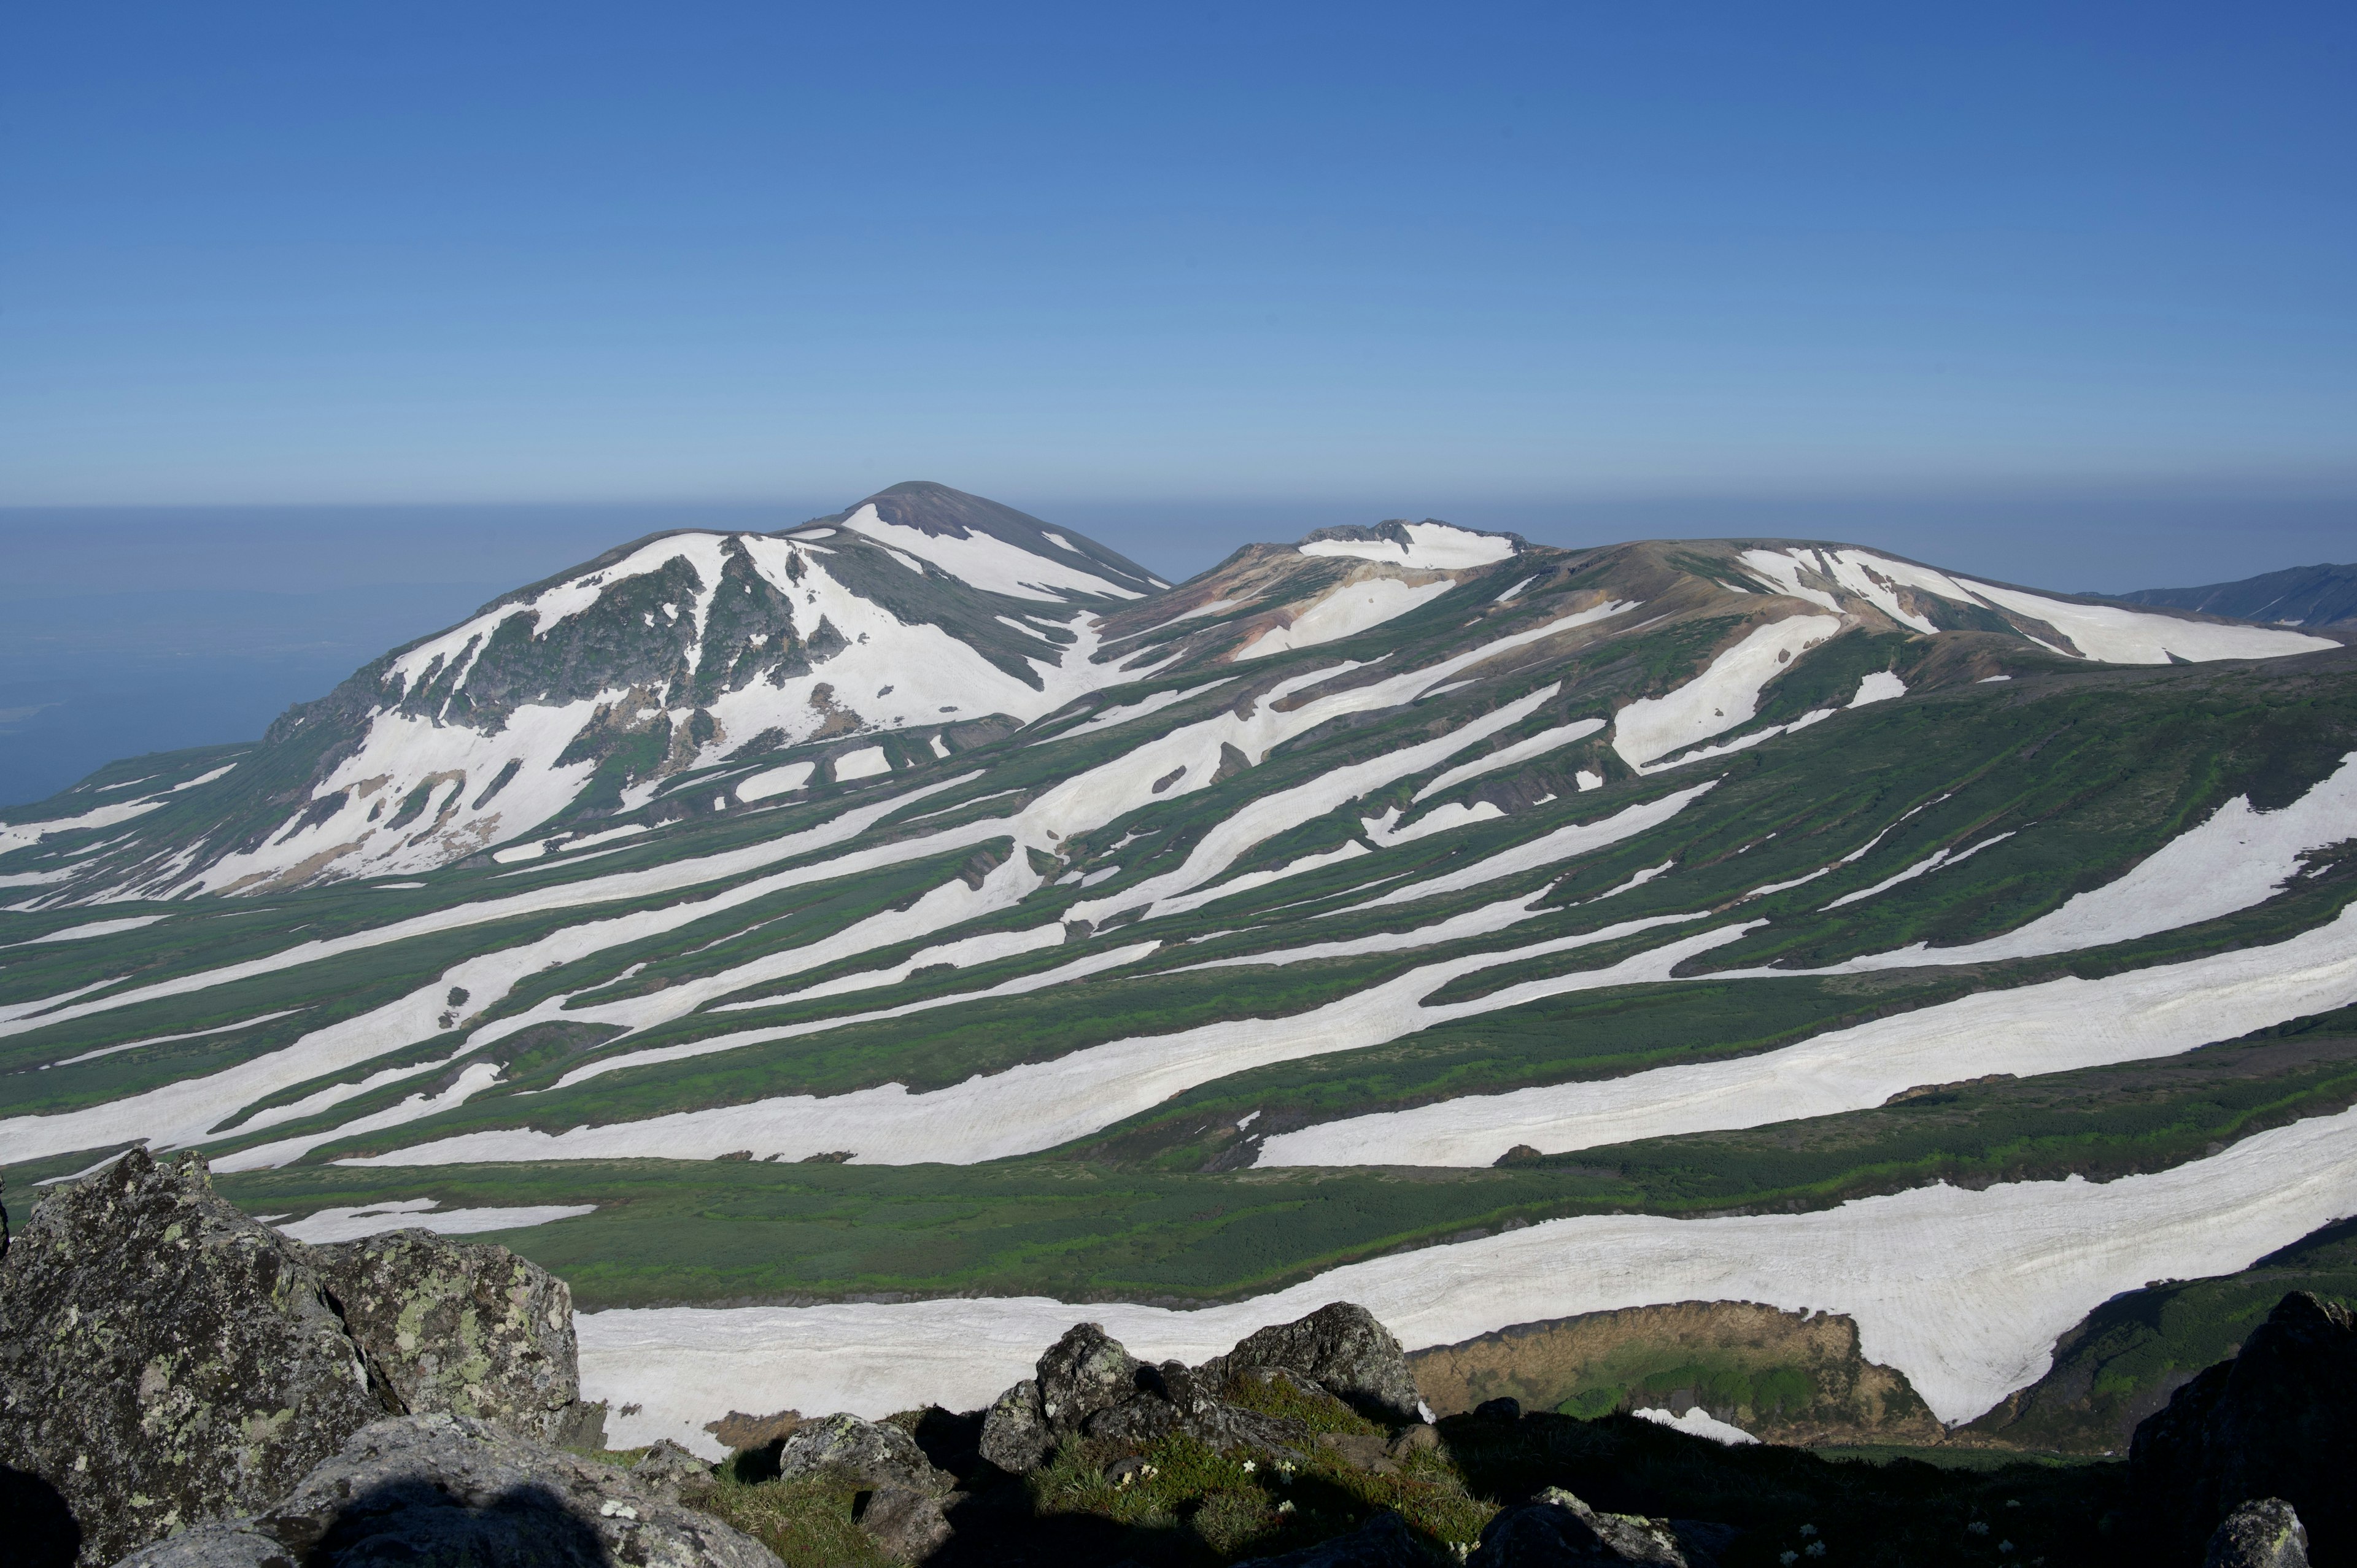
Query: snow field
{"x": 868, "y": 762}
{"x": 1519, "y": 751}
{"x": 1930, "y": 863}
{"x": 2053, "y": 1027}
{"x": 1698, "y": 1423}
{"x": 1344, "y": 612}
{"x": 1038, "y": 1105}
{"x": 420, "y": 1214}
{"x": 986, "y": 563}
{"x": 24, "y": 836}
{"x": 92, "y": 929}
{"x": 1963, "y": 1291}
{"x": 1433, "y": 546}
{"x": 1548, "y": 849}
{"x": 772, "y": 782}
{"x": 1721, "y": 697}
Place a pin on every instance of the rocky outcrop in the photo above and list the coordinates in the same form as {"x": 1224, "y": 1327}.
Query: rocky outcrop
{"x": 467, "y": 1329}
{"x": 1089, "y": 1385}
{"x": 2278, "y": 1421}
{"x": 2263, "y": 1535}
{"x": 450, "y": 1489}
{"x": 867, "y": 1452}
{"x": 1786, "y": 1376}
{"x": 164, "y": 1359}
{"x": 1342, "y": 1349}
{"x": 1383, "y": 1542}
{"x": 1556, "y": 1529}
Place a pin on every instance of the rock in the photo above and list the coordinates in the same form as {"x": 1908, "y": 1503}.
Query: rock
{"x": 1506, "y": 1409}
{"x": 1422, "y": 1438}
{"x": 164, "y": 1359}
{"x": 1345, "y": 1351}
{"x": 423, "y": 1489}
{"x": 1233, "y": 1426}
{"x": 906, "y": 1523}
{"x": 870, "y": 1453}
{"x": 2263, "y": 1535}
{"x": 1556, "y": 1526}
{"x": 665, "y": 1467}
{"x": 458, "y": 1327}
{"x": 1015, "y": 1434}
{"x": 1085, "y": 1372}
{"x": 2277, "y": 1421}
{"x": 1383, "y": 1542}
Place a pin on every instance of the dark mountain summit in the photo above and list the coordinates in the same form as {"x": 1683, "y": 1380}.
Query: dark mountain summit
{"x": 2297, "y": 595}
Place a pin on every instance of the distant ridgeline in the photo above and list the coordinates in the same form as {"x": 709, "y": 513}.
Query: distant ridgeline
{"x": 927, "y": 911}
{"x": 2302, "y": 596}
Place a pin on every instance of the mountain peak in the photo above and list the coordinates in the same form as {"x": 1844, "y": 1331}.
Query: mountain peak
{"x": 1431, "y": 545}
{"x": 935, "y": 523}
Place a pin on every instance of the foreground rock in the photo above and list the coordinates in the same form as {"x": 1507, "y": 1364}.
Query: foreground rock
{"x": 1342, "y": 1349}
{"x": 1556, "y": 1528}
{"x": 2263, "y": 1535}
{"x": 164, "y": 1359}
{"x": 1383, "y": 1542}
{"x": 467, "y": 1329}
{"x": 2279, "y": 1420}
{"x": 441, "y": 1489}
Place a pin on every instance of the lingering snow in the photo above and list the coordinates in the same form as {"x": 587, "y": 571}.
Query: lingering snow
{"x": 330, "y": 1225}
{"x": 1440, "y": 819}
{"x": 24, "y": 836}
{"x": 517, "y": 854}
{"x": 1740, "y": 743}
{"x": 1482, "y": 922}
{"x": 93, "y": 929}
{"x": 168, "y": 1039}
{"x": 1123, "y": 713}
{"x": 1181, "y": 903}
{"x": 1539, "y": 744}
{"x": 1509, "y": 593}
{"x": 1549, "y": 849}
{"x": 1432, "y": 546}
{"x": 1964, "y": 1291}
{"x": 992, "y": 565}
{"x": 2056, "y": 1025}
{"x": 628, "y": 830}
{"x": 1344, "y": 612}
{"x": 1719, "y": 698}
{"x": 868, "y": 762}
{"x": 1698, "y": 1423}
{"x": 473, "y": 1078}
{"x": 1586, "y": 780}
{"x": 1038, "y": 1105}
{"x": 1932, "y": 862}
{"x": 203, "y": 777}
{"x": 1878, "y": 687}
{"x": 783, "y": 779}
{"x": 2235, "y": 859}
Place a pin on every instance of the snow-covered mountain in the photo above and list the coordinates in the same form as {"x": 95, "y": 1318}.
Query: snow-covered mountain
{"x": 987, "y": 926}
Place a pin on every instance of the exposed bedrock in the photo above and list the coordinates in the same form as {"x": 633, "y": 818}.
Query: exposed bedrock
{"x": 2279, "y": 1420}
{"x": 443, "y": 1489}
{"x": 166, "y": 1360}
{"x": 1556, "y": 1528}
{"x": 1089, "y": 1385}
{"x": 1785, "y": 1376}
{"x": 2263, "y": 1535}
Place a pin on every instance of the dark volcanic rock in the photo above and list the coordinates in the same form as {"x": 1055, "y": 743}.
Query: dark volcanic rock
{"x": 870, "y": 1453}
{"x": 1345, "y": 1351}
{"x": 1383, "y": 1542}
{"x": 2263, "y": 1535}
{"x": 462, "y": 1329}
{"x": 2278, "y": 1420}
{"x": 1015, "y": 1434}
{"x": 1557, "y": 1528}
{"x": 164, "y": 1359}
{"x": 1085, "y": 1372}
{"x": 421, "y": 1491}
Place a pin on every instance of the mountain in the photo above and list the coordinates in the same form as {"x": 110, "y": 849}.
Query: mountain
{"x": 2298, "y": 595}
{"x": 838, "y": 953}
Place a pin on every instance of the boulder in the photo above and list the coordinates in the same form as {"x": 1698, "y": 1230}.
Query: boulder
{"x": 663, "y": 1468}
{"x": 907, "y": 1523}
{"x": 1015, "y": 1434}
{"x": 164, "y": 1359}
{"x": 462, "y": 1329}
{"x": 1556, "y": 1528}
{"x": 2263, "y": 1535}
{"x": 2277, "y": 1421}
{"x": 1342, "y": 1349}
{"x": 869, "y": 1452}
{"x": 1383, "y": 1542}
{"x": 421, "y": 1490}
{"x": 1085, "y": 1372}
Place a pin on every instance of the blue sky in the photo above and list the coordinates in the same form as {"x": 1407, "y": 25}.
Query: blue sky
{"x": 1406, "y": 258}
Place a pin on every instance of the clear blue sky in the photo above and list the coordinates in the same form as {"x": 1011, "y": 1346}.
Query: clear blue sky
{"x": 1481, "y": 261}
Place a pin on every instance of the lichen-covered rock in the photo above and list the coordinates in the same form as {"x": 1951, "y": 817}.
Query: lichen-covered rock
{"x": 416, "y": 1490}
{"x": 1342, "y": 1349}
{"x": 464, "y": 1328}
{"x": 1015, "y": 1434}
{"x": 908, "y": 1524}
{"x": 873, "y": 1454}
{"x": 2263, "y": 1535}
{"x": 164, "y": 1359}
{"x": 2278, "y": 1420}
{"x": 1556, "y": 1528}
{"x": 1085, "y": 1372}
{"x": 665, "y": 1467}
